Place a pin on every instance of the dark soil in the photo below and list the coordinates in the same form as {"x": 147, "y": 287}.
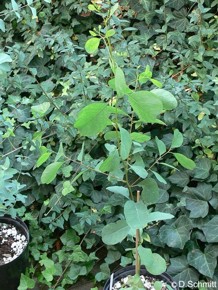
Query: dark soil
{"x": 147, "y": 281}
{"x": 12, "y": 243}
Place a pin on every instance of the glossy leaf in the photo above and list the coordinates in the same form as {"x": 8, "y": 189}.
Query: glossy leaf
{"x": 181, "y": 271}
{"x": 205, "y": 262}
{"x": 202, "y": 169}
{"x": 50, "y": 172}
{"x": 198, "y": 208}
{"x": 210, "y": 230}
{"x": 177, "y": 234}
{"x": 185, "y": 161}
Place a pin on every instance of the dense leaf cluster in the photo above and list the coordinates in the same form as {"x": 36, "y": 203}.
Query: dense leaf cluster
{"x": 47, "y": 79}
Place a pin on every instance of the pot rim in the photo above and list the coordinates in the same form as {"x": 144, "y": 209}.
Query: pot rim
{"x": 120, "y": 273}
{"x": 21, "y": 226}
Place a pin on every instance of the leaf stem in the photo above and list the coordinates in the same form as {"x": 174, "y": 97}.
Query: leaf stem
{"x": 137, "y": 242}
{"x": 152, "y": 165}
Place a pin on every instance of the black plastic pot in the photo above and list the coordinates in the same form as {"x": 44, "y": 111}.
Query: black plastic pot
{"x": 130, "y": 270}
{"x": 10, "y": 273}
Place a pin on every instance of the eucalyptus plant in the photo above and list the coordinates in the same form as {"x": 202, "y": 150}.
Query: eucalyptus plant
{"x": 121, "y": 122}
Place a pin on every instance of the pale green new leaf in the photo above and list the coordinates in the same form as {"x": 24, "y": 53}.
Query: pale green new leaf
{"x": 34, "y": 12}
{"x": 126, "y": 143}
{"x": 177, "y": 139}
{"x": 67, "y": 188}
{"x": 185, "y": 161}
{"x": 120, "y": 83}
{"x": 139, "y": 170}
{"x": 26, "y": 283}
{"x": 50, "y": 172}
{"x": 110, "y": 33}
{"x": 139, "y": 137}
{"x": 92, "y": 45}
{"x": 5, "y": 58}
{"x": 159, "y": 177}
{"x": 40, "y": 110}
{"x": 115, "y": 232}
{"x": 111, "y": 163}
{"x": 81, "y": 154}
{"x": 158, "y": 216}
{"x": 160, "y": 145}
{"x": 113, "y": 9}
{"x": 146, "y": 105}
{"x": 156, "y": 83}
{"x": 42, "y": 159}
{"x": 15, "y": 6}
{"x": 119, "y": 190}
{"x": 60, "y": 153}
{"x": 168, "y": 100}
{"x": 93, "y": 119}
{"x": 2, "y": 25}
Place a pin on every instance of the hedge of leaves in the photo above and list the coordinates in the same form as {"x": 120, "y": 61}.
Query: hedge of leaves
{"x": 47, "y": 77}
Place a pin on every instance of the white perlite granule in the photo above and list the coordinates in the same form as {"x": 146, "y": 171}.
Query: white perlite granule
{"x": 147, "y": 284}
{"x": 9, "y": 235}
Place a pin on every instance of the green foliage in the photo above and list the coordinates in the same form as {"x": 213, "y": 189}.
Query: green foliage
{"x": 10, "y": 189}
{"x": 137, "y": 102}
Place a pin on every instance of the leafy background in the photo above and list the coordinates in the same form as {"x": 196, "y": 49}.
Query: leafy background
{"x": 46, "y": 77}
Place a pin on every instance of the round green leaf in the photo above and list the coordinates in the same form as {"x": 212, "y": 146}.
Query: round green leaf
{"x": 150, "y": 193}
{"x": 168, "y": 100}
{"x": 136, "y": 214}
{"x": 146, "y": 105}
{"x": 92, "y": 45}
{"x": 153, "y": 262}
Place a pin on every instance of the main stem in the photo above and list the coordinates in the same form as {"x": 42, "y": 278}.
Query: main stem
{"x": 137, "y": 242}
